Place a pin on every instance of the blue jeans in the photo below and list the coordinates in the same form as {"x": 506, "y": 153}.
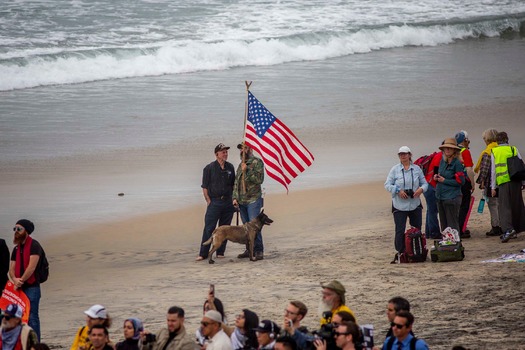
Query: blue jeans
{"x": 33, "y": 294}
{"x": 431, "y": 223}
{"x": 221, "y": 211}
{"x": 400, "y": 220}
{"x": 248, "y": 213}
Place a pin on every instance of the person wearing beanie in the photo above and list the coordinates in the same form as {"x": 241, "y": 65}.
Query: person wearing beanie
{"x": 467, "y": 188}
{"x": 333, "y": 301}
{"x": 24, "y": 261}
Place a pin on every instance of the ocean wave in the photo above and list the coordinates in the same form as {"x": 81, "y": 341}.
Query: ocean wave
{"x": 93, "y": 64}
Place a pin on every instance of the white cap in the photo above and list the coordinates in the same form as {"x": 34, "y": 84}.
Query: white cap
{"x": 213, "y": 315}
{"x": 97, "y": 311}
{"x": 404, "y": 149}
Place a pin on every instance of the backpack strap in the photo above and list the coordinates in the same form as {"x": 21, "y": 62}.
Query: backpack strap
{"x": 81, "y": 330}
{"x": 390, "y": 343}
{"x": 413, "y": 342}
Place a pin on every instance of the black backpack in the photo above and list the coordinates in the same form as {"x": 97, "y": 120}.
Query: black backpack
{"x": 42, "y": 268}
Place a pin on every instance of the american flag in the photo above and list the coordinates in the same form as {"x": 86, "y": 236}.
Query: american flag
{"x": 283, "y": 154}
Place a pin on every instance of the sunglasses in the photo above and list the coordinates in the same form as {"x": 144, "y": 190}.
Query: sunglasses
{"x": 397, "y": 325}
{"x": 7, "y": 317}
{"x": 340, "y": 333}
{"x": 18, "y": 229}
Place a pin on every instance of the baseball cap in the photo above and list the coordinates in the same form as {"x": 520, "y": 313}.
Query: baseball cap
{"x": 220, "y": 147}
{"x": 13, "y": 310}
{"x": 267, "y": 326}
{"x": 97, "y": 311}
{"x": 404, "y": 149}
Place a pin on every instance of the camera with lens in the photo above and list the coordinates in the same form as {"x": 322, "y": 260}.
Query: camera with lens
{"x": 150, "y": 338}
{"x": 410, "y": 192}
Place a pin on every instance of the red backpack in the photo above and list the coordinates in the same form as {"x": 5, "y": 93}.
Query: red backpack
{"x": 424, "y": 162}
{"x": 415, "y": 247}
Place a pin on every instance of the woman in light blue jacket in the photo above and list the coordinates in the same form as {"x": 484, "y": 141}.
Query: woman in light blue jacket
{"x": 406, "y": 183}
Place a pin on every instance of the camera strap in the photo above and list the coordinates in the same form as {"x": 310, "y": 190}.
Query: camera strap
{"x": 412, "y": 176}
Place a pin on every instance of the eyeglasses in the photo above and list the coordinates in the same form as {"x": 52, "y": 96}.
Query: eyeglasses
{"x": 340, "y": 333}
{"x": 397, "y": 325}
{"x": 239, "y": 316}
{"x": 288, "y": 312}
{"x": 18, "y": 228}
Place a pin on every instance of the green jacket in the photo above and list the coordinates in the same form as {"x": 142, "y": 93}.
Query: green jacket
{"x": 253, "y": 178}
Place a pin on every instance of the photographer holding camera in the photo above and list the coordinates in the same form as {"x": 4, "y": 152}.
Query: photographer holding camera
{"x": 173, "y": 337}
{"x": 406, "y": 183}
{"x": 346, "y": 335}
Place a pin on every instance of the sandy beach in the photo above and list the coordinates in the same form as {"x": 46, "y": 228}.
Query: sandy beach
{"x": 140, "y": 267}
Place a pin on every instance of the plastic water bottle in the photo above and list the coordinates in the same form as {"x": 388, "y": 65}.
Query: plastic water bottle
{"x": 481, "y": 205}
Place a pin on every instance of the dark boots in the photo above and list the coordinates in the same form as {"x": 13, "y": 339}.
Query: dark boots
{"x": 494, "y": 231}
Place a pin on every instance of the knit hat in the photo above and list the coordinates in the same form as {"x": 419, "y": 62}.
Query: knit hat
{"x": 97, "y": 311}
{"x": 338, "y": 288}
{"x": 27, "y": 225}
{"x": 137, "y": 327}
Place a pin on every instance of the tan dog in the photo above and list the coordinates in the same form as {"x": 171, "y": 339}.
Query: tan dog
{"x": 238, "y": 234}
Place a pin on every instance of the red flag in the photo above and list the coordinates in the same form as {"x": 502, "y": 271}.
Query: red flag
{"x": 283, "y": 154}
{"x": 11, "y": 295}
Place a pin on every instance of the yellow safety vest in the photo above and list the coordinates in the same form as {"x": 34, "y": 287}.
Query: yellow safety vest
{"x": 501, "y": 154}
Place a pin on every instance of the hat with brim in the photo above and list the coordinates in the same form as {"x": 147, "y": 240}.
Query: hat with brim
{"x": 337, "y": 287}
{"x": 449, "y": 143}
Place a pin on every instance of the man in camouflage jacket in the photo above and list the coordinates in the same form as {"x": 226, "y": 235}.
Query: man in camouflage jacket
{"x": 247, "y": 194}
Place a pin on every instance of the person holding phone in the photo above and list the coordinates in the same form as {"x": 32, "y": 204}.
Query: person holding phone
{"x": 406, "y": 183}
{"x": 449, "y": 179}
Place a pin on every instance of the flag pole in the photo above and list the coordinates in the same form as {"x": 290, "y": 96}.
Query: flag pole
{"x": 248, "y": 84}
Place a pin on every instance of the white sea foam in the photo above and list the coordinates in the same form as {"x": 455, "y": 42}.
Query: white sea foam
{"x": 49, "y": 66}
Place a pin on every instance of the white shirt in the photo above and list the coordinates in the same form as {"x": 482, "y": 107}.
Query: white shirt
{"x": 220, "y": 341}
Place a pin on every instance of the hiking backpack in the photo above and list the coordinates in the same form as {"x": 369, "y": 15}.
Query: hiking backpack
{"x": 424, "y": 162}
{"x": 415, "y": 246}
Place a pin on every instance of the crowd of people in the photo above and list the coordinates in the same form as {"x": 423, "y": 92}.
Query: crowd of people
{"x": 448, "y": 185}
{"x": 338, "y": 328}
